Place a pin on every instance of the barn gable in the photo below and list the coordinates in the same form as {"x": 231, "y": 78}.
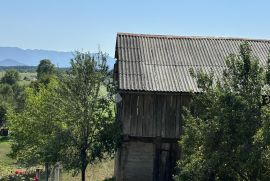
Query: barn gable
{"x": 159, "y": 63}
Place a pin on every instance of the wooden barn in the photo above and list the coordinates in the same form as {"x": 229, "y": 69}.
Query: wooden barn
{"x": 152, "y": 74}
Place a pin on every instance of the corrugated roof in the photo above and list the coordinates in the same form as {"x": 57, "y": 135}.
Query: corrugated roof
{"x": 161, "y": 63}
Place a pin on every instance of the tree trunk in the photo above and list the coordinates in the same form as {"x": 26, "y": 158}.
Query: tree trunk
{"x": 46, "y": 171}
{"x": 84, "y": 163}
{"x": 83, "y": 174}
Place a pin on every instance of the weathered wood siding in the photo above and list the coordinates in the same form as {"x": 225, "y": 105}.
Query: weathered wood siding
{"x": 135, "y": 161}
{"x": 151, "y": 127}
{"x": 146, "y": 161}
{"x": 151, "y": 115}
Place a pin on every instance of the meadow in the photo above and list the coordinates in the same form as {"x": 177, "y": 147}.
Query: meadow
{"x": 25, "y": 77}
{"x": 96, "y": 172}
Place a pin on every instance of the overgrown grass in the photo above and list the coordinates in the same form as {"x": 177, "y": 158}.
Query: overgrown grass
{"x": 96, "y": 172}
{"x": 7, "y": 165}
{"x": 25, "y": 77}
{"x": 2, "y": 73}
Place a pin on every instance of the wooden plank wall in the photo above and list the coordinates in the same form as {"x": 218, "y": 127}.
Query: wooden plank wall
{"x": 152, "y": 115}
{"x": 134, "y": 162}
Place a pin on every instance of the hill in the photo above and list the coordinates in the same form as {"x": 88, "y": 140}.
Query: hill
{"x": 13, "y": 56}
{"x": 10, "y": 62}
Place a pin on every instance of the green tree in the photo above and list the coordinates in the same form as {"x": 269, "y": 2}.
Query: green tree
{"x": 226, "y": 136}
{"x": 2, "y": 114}
{"x": 91, "y": 129}
{"x": 45, "y": 70}
{"x": 11, "y": 77}
{"x": 36, "y": 131}
{"x": 11, "y": 94}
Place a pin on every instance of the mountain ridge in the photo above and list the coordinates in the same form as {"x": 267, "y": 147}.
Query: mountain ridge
{"x": 32, "y": 57}
{"x": 10, "y": 62}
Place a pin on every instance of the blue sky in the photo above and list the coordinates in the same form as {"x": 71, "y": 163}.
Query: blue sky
{"x": 68, "y": 25}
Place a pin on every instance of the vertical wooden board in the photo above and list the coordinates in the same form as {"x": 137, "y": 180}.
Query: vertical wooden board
{"x": 158, "y": 113}
{"x": 123, "y": 112}
{"x": 148, "y": 112}
{"x": 163, "y": 116}
{"x": 144, "y": 126}
{"x": 178, "y": 116}
{"x": 140, "y": 116}
{"x": 146, "y": 115}
{"x": 126, "y": 114}
{"x": 133, "y": 111}
{"x": 119, "y": 107}
{"x": 151, "y": 115}
{"x": 154, "y": 132}
{"x": 173, "y": 117}
{"x": 168, "y": 116}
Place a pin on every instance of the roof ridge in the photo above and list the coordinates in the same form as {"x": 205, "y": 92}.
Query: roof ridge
{"x": 190, "y": 37}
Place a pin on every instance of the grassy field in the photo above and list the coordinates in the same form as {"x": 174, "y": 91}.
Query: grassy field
{"x": 25, "y": 77}
{"x": 7, "y": 165}
{"x": 1, "y": 74}
{"x": 97, "y": 172}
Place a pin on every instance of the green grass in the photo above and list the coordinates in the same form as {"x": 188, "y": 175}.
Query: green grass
{"x": 96, "y": 172}
{"x": 7, "y": 165}
{"x": 25, "y": 77}
{"x": 2, "y": 73}
{"x": 4, "y": 150}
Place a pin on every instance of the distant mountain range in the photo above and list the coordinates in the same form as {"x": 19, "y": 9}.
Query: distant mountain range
{"x": 13, "y": 56}
{"x": 10, "y": 62}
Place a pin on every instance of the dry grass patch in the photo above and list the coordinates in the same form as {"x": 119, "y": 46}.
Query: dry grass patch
{"x": 97, "y": 172}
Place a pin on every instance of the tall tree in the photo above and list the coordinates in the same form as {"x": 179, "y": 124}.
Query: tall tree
{"x": 92, "y": 132}
{"x": 2, "y": 114}
{"x": 226, "y": 136}
{"x": 36, "y": 131}
{"x": 11, "y": 93}
{"x": 11, "y": 77}
{"x": 45, "y": 70}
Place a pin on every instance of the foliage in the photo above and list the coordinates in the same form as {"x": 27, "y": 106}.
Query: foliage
{"x": 71, "y": 120}
{"x": 45, "y": 70}
{"x": 11, "y": 77}
{"x": 11, "y": 94}
{"x": 2, "y": 115}
{"x": 36, "y": 130}
{"x": 91, "y": 130}
{"x": 226, "y": 136}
